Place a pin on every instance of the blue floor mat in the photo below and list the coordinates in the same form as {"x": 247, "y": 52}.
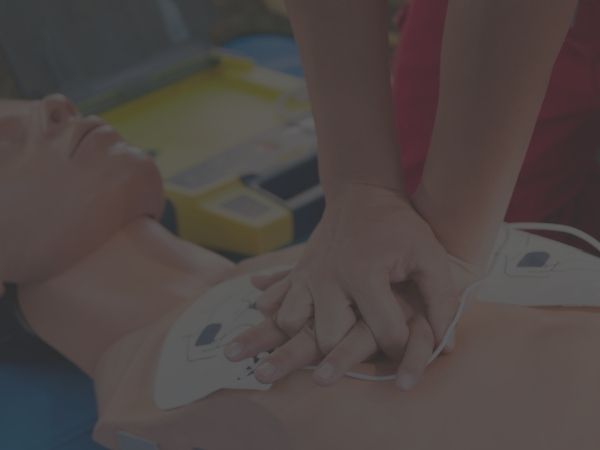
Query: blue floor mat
{"x": 45, "y": 402}
{"x": 277, "y": 52}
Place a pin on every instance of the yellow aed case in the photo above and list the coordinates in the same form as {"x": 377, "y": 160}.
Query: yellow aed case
{"x": 218, "y": 137}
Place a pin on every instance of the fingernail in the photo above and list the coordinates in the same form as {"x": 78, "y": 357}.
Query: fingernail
{"x": 233, "y": 350}
{"x": 406, "y": 382}
{"x": 325, "y": 371}
{"x": 267, "y": 371}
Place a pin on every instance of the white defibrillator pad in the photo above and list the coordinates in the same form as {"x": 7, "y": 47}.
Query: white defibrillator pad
{"x": 530, "y": 270}
{"x": 192, "y": 364}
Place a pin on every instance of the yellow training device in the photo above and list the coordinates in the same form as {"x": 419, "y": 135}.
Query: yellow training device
{"x": 236, "y": 147}
{"x": 231, "y": 217}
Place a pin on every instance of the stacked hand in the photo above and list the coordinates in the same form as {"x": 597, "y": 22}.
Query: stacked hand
{"x": 373, "y": 277}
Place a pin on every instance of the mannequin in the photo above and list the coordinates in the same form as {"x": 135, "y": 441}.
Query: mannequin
{"x": 105, "y": 292}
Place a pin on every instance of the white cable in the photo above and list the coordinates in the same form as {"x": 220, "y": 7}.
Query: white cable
{"x": 451, "y": 329}
{"x": 565, "y": 229}
{"x": 459, "y": 313}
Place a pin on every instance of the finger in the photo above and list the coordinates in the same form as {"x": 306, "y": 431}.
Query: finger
{"x": 334, "y": 316}
{"x": 382, "y": 313}
{"x": 449, "y": 348}
{"x": 356, "y": 347}
{"x": 264, "y": 282}
{"x": 440, "y": 295}
{"x": 418, "y": 352}
{"x": 295, "y": 310}
{"x": 297, "y": 353}
{"x": 262, "y": 338}
{"x": 270, "y": 300}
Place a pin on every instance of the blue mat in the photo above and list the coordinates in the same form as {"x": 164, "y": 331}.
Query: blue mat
{"x": 45, "y": 402}
{"x": 274, "y": 51}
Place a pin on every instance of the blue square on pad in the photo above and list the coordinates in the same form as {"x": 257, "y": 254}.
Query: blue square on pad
{"x": 534, "y": 259}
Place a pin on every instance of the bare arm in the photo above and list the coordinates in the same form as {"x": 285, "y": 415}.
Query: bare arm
{"x": 345, "y": 53}
{"x": 497, "y": 59}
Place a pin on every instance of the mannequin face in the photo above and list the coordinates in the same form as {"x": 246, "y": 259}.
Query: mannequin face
{"x": 67, "y": 183}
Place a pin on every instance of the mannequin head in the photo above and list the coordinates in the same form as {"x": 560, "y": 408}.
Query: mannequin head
{"x": 67, "y": 183}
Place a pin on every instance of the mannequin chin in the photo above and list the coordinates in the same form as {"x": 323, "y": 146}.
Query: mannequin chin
{"x": 67, "y": 183}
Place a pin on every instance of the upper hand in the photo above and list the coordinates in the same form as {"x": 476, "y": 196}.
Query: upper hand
{"x": 369, "y": 239}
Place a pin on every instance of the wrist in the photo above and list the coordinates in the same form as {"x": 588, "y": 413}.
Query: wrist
{"x": 466, "y": 237}
{"x": 377, "y": 165}
{"x": 360, "y": 189}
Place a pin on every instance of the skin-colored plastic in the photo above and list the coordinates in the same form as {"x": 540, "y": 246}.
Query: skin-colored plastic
{"x": 519, "y": 378}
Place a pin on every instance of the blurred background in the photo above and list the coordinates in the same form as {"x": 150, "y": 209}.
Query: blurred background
{"x": 212, "y": 89}
{"x": 234, "y": 18}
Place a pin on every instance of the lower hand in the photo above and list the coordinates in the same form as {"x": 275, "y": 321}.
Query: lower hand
{"x": 372, "y": 240}
{"x": 359, "y": 345}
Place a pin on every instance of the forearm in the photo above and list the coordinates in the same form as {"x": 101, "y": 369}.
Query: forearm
{"x": 345, "y": 54}
{"x": 497, "y": 59}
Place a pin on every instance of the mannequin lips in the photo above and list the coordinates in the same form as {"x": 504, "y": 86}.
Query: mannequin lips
{"x": 91, "y": 134}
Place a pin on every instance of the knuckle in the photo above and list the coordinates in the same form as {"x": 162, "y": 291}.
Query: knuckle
{"x": 266, "y": 309}
{"x": 362, "y": 283}
{"x": 422, "y": 333}
{"x": 327, "y": 342}
{"x": 340, "y": 360}
{"x": 447, "y": 290}
{"x": 444, "y": 305}
{"x": 246, "y": 341}
{"x": 289, "y": 325}
{"x": 286, "y": 358}
{"x": 265, "y": 301}
{"x": 328, "y": 338}
{"x": 354, "y": 268}
{"x": 300, "y": 276}
{"x": 393, "y": 336}
{"x": 256, "y": 336}
{"x": 364, "y": 330}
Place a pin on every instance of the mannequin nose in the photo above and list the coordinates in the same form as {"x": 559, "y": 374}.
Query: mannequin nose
{"x": 59, "y": 110}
